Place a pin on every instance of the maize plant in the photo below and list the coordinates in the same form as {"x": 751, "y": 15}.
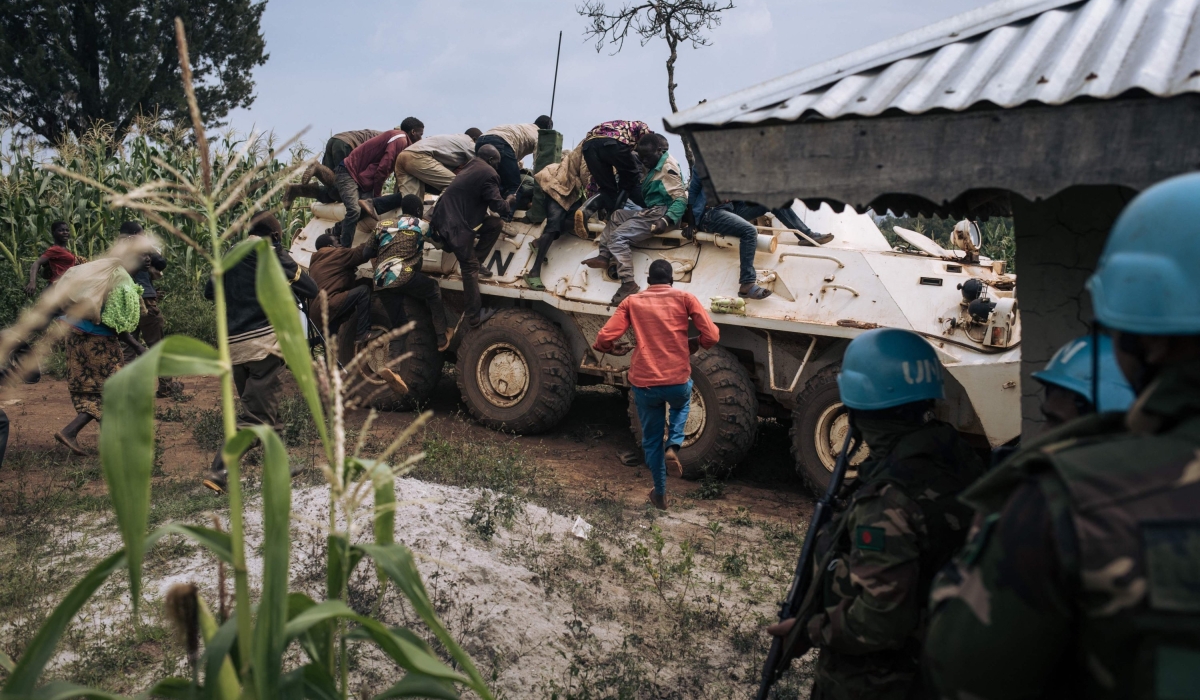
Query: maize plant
{"x": 31, "y": 197}
{"x": 242, "y": 656}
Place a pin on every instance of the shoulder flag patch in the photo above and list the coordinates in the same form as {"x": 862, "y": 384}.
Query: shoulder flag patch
{"x": 869, "y": 538}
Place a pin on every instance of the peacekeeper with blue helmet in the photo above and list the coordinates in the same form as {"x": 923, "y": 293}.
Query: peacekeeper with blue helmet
{"x": 1081, "y": 575}
{"x": 1068, "y": 386}
{"x": 901, "y": 522}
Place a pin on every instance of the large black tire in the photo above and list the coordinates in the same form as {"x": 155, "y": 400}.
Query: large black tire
{"x": 722, "y": 420}
{"x": 819, "y": 425}
{"x": 516, "y": 372}
{"x": 420, "y": 372}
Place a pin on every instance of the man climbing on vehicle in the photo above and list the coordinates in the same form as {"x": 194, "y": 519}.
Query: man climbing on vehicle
{"x": 660, "y": 370}
{"x": 665, "y": 199}
{"x": 724, "y": 221}
{"x": 430, "y": 164}
{"x": 324, "y": 190}
{"x": 398, "y": 270}
{"x": 461, "y": 209}
{"x": 360, "y": 177}
{"x": 608, "y": 150}
{"x": 514, "y": 141}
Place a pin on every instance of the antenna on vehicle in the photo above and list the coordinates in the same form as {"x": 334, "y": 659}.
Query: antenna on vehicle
{"x": 554, "y": 89}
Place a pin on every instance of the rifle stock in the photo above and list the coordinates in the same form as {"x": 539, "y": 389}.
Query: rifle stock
{"x": 796, "y": 643}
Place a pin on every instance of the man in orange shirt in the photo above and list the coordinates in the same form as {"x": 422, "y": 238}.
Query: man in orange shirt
{"x": 661, "y": 372}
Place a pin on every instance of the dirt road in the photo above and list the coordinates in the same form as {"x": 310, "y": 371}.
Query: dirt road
{"x": 582, "y": 451}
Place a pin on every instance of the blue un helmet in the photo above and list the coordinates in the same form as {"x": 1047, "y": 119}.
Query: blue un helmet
{"x": 888, "y": 367}
{"x": 1144, "y": 282}
{"x": 1071, "y": 369}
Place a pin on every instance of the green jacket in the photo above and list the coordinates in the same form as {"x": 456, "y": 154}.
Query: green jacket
{"x": 1080, "y": 576}
{"x": 663, "y": 187}
{"x": 877, "y": 558}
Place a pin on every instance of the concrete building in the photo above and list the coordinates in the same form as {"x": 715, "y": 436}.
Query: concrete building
{"x": 1053, "y": 112}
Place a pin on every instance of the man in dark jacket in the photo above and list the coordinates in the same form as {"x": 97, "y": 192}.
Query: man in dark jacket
{"x": 463, "y": 206}
{"x": 361, "y": 175}
{"x": 334, "y": 270}
{"x": 253, "y": 348}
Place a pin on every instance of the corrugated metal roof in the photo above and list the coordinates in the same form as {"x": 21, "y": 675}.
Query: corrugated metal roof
{"x": 1008, "y": 53}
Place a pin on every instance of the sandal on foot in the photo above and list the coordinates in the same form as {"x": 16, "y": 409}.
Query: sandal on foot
{"x": 534, "y": 283}
{"x": 393, "y": 380}
{"x": 674, "y": 466}
{"x": 70, "y": 444}
{"x": 445, "y": 344}
{"x": 755, "y": 292}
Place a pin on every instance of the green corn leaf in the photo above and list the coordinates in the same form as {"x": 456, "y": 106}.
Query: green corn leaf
{"x": 127, "y": 437}
{"x": 31, "y": 664}
{"x": 337, "y": 572}
{"x": 384, "y": 484}
{"x": 416, "y": 685}
{"x": 62, "y": 690}
{"x": 7, "y": 663}
{"x": 223, "y": 685}
{"x": 407, "y": 655}
{"x": 216, "y": 660}
{"x": 275, "y": 296}
{"x": 173, "y": 688}
{"x": 315, "y": 641}
{"x": 318, "y": 683}
{"x": 269, "y": 641}
{"x": 217, "y": 542}
{"x": 397, "y": 561}
{"x": 235, "y": 254}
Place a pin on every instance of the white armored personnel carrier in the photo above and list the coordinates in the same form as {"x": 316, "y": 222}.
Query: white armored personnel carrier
{"x": 778, "y": 358}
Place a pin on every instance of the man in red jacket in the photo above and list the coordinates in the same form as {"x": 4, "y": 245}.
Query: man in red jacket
{"x": 359, "y": 178}
{"x": 660, "y": 372}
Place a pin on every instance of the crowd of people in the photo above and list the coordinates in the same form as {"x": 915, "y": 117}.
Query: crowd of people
{"x": 1069, "y": 557}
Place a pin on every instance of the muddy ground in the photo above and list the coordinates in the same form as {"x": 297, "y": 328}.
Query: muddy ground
{"x": 649, "y": 606}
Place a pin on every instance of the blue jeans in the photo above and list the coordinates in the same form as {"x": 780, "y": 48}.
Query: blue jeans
{"x": 725, "y": 221}
{"x": 652, "y": 404}
{"x": 510, "y": 167}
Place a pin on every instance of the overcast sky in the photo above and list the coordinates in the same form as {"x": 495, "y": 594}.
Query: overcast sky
{"x": 456, "y": 64}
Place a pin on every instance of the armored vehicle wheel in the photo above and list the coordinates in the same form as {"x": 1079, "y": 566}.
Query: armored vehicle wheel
{"x": 819, "y": 426}
{"x": 722, "y": 418}
{"x": 516, "y": 372}
{"x": 421, "y": 371}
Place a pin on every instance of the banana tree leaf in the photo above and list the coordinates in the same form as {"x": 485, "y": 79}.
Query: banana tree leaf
{"x": 397, "y": 561}
{"x": 269, "y": 630}
{"x": 127, "y": 437}
{"x": 31, "y": 664}
{"x": 173, "y": 688}
{"x": 275, "y": 296}
{"x": 408, "y": 656}
{"x": 415, "y": 685}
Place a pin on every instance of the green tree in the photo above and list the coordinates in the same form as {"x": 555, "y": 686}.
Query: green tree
{"x": 67, "y": 64}
{"x": 676, "y": 21}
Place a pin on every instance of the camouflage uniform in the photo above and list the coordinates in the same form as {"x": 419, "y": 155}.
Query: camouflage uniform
{"x": 876, "y": 559}
{"x": 1081, "y": 576}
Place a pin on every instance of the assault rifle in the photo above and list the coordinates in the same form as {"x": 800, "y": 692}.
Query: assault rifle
{"x": 795, "y": 643}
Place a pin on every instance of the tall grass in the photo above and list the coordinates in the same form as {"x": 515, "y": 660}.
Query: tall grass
{"x": 31, "y": 197}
